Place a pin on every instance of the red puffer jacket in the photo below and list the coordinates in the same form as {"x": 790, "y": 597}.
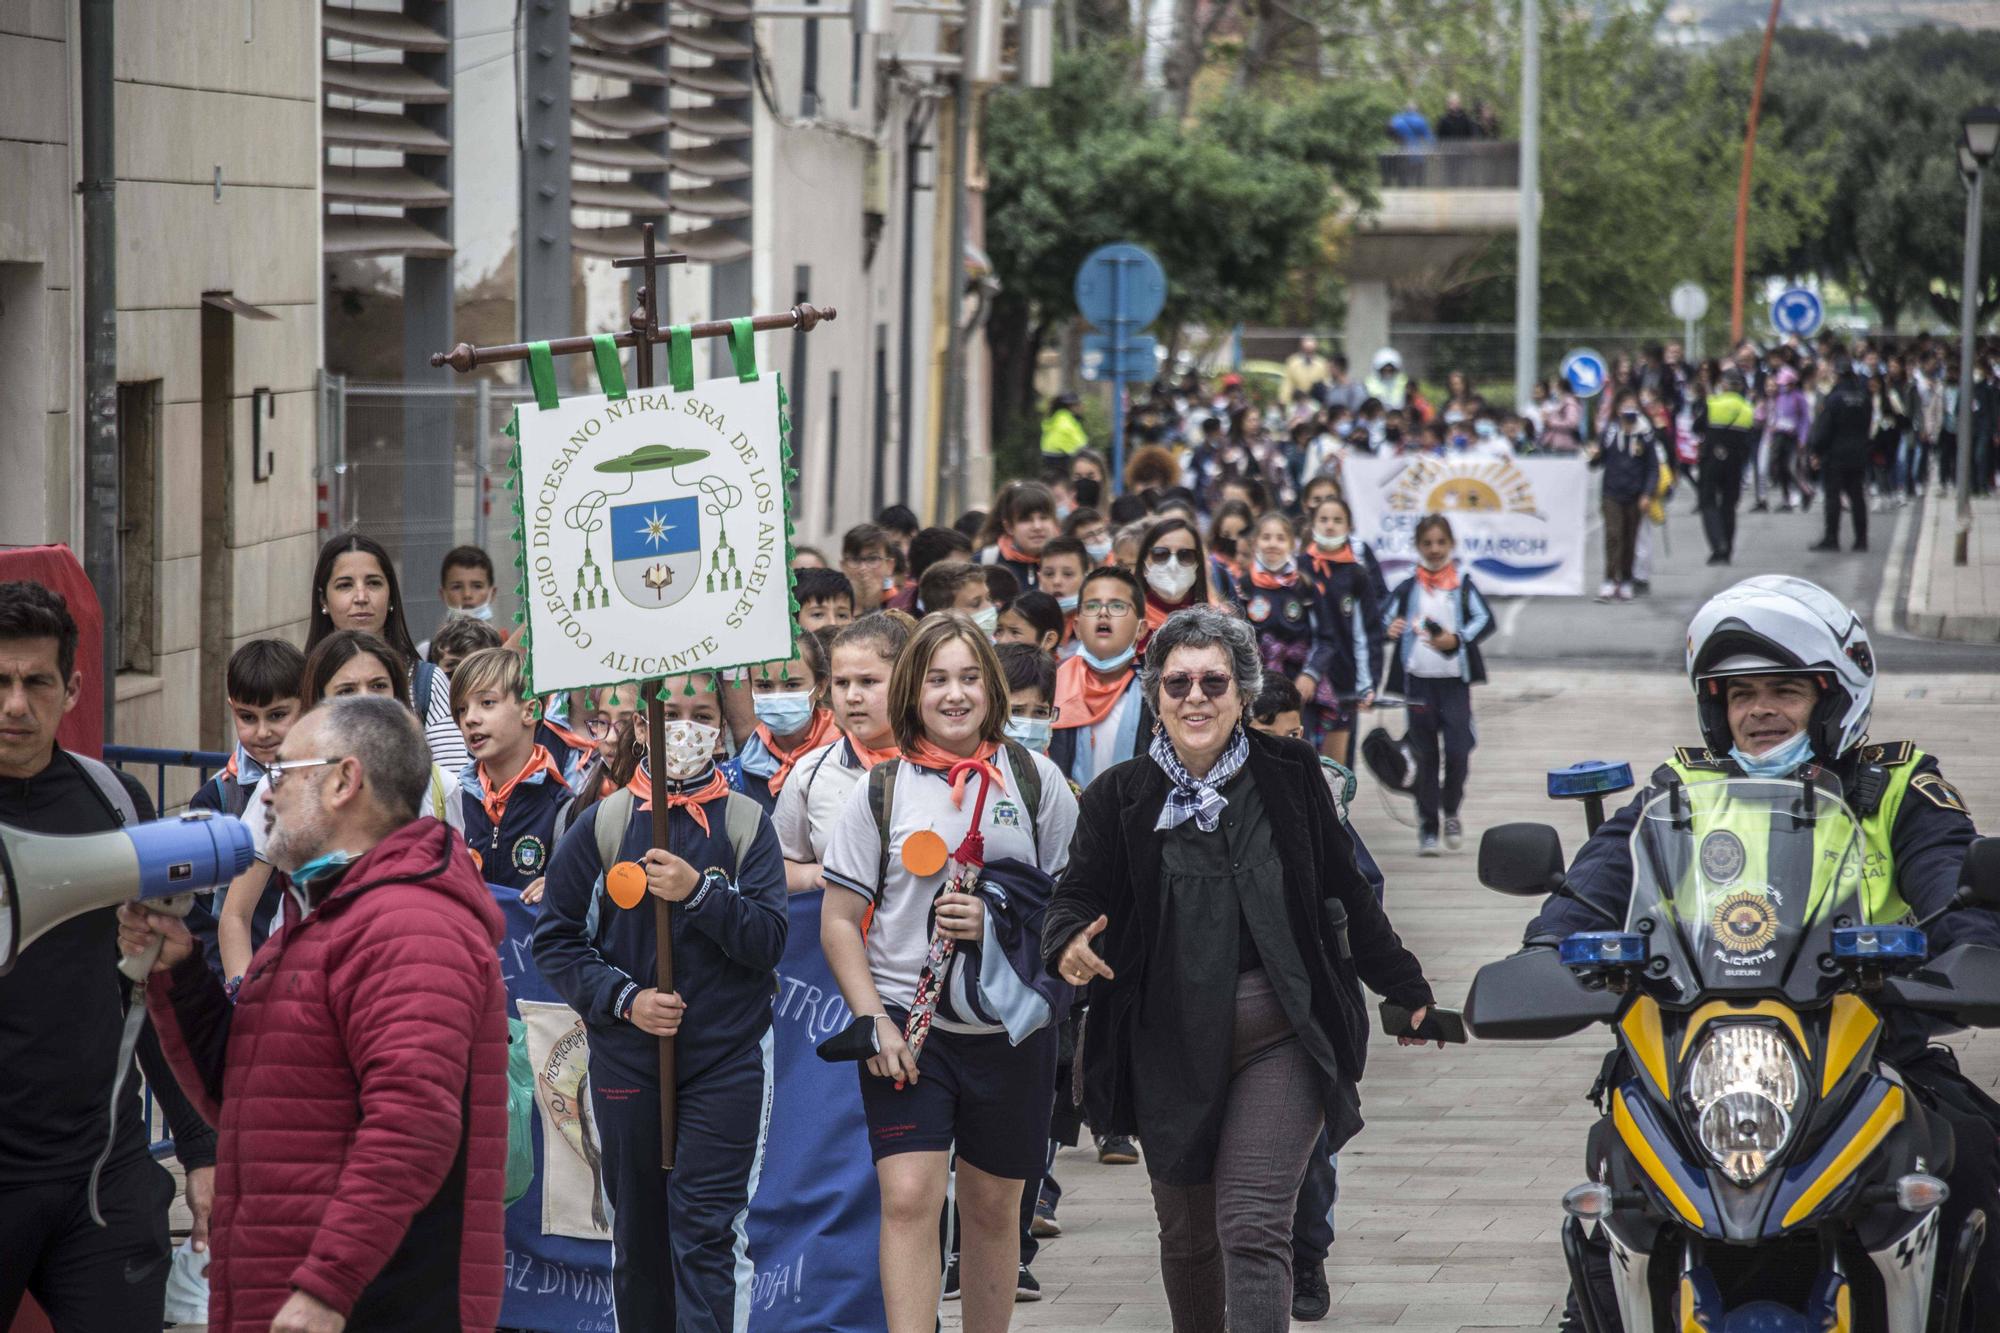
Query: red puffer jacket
{"x": 341, "y": 1080}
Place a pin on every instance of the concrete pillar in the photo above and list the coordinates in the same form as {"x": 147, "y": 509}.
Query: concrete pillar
{"x": 1367, "y": 328}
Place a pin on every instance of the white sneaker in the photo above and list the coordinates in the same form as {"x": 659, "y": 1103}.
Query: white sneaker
{"x": 1608, "y": 592}
{"x": 1624, "y": 592}
{"x": 1454, "y": 833}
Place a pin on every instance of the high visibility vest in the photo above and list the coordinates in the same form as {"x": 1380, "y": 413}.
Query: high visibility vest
{"x": 1879, "y": 895}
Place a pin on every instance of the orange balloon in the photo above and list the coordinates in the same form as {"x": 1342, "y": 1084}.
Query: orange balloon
{"x": 626, "y": 883}
{"x": 924, "y": 853}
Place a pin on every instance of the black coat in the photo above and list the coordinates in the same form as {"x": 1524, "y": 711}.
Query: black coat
{"x": 1114, "y": 871}
{"x": 1839, "y": 435}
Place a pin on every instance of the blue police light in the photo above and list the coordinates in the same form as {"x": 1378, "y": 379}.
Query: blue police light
{"x": 1603, "y": 948}
{"x": 1879, "y": 943}
{"x": 1592, "y": 777}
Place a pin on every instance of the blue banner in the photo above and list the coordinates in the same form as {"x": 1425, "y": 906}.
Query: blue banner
{"x": 555, "y": 1284}
{"x": 815, "y": 1221}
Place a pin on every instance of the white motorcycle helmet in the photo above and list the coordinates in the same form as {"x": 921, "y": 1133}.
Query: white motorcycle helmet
{"x": 1776, "y": 625}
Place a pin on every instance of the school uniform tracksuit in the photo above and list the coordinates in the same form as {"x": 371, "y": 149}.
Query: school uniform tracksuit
{"x": 1440, "y": 691}
{"x": 515, "y": 852}
{"x": 680, "y": 1238}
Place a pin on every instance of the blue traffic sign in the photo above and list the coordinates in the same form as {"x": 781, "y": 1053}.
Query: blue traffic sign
{"x": 1797, "y": 313}
{"x": 1121, "y": 285}
{"x": 1133, "y": 358}
{"x": 1586, "y": 371}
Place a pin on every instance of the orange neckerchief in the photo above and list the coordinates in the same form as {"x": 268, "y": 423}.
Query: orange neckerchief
{"x": 581, "y": 743}
{"x": 956, "y": 768}
{"x": 1439, "y": 580}
{"x": 714, "y": 789}
{"x": 495, "y": 801}
{"x": 1083, "y": 697}
{"x": 818, "y": 732}
{"x": 869, "y": 758}
{"x": 1263, "y": 578}
{"x": 1158, "y": 611}
{"x": 1013, "y": 553}
{"x": 1323, "y": 564}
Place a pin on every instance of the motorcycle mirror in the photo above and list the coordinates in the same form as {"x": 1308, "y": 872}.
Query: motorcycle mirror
{"x": 1979, "y": 874}
{"x": 1524, "y": 860}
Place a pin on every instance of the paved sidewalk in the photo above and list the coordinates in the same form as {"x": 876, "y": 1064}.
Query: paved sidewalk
{"x": 1949, "y": 600}
{"x": 1449, "y": 1198}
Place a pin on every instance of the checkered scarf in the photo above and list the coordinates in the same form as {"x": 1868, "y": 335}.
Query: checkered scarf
{"x": 1193, "y": 797}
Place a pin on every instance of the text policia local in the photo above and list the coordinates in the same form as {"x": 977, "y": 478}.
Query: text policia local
{"x": 548, "y": 501}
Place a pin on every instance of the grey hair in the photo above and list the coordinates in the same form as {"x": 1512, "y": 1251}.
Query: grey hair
{"x": 383, "y": 734}
{"x": 1204, "y": 627}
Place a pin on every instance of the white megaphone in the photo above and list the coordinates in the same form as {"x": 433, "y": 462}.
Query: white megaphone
{"x": 46, "y": 879}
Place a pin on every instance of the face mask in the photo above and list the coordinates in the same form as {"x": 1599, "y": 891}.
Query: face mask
{"x": 1224, "y": 546}
{"x": 1330, "y": 543}
{"x": 888, "y": 585}
{"x": 1270, "y": 568}
{"x": 1100, "y": 551}
{"x": 690, "y": 747}
{"x": 1063, "y": 512}
{"x": 988, "y": 619}
{"x": 784, "y": 712}
{"x": 1170, "y": 581}
{"x": 1485, "y": 430}
{"x": 329, "y": 866}
{"x": 1106, "y": 664}
{"x": 1777, "y": 761}
{"x": 1069, "y": 603}
{"x": 1393, "y": 435}
{"x": 481, "y": 612}
{"x": 1032, "y": 732}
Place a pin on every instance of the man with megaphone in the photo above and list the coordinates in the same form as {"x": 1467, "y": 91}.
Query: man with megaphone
{"x": 83, "y": 1206}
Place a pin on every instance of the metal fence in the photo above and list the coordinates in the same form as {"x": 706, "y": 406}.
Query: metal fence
{"x": 1455, "y": 164}
{"x": 1485, "y": 352}
{"x": 371, "y": 480}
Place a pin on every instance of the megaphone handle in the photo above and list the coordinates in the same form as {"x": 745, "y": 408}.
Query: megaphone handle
{"x": 137, "y": 966}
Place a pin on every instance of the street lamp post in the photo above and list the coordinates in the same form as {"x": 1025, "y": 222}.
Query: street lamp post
{"x": 1980, "y": 138}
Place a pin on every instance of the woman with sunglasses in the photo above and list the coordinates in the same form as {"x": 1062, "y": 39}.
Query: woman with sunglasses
{"x": 1174, "y": 567}
{"x": 1205, "y": 903}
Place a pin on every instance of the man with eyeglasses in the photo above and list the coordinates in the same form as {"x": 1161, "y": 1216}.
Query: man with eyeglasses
{"x": 62, "y": 1020}
{"x": 1101, "y": 714}
{"x": 359, "y": 1074}
{"x": 864, "y": 558}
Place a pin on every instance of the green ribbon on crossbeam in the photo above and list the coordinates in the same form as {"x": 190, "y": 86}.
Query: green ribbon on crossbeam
{"x": 542, "y": 374}
{"x": 743, "y": 349}
{"x": 610, "y": 370}
{"x": 680, "y": 357}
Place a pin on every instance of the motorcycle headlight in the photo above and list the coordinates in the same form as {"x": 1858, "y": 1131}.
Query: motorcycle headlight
{"x": 1745, "y": 1087}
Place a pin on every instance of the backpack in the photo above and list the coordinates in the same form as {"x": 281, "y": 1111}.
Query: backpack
{"x": 420, "y": 690}
{"x": 741, "y": 816}
{"x": 882, "y": 795}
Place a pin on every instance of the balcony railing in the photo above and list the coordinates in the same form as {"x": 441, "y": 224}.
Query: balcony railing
{"x": 1454, "y": 164}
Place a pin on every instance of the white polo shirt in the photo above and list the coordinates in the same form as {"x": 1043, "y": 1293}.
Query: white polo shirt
{"x": 900, "y": 936}
{"x": 813, "y": 798}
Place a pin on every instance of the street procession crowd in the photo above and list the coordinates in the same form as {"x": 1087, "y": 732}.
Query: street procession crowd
{"x": 1088, "y": 750}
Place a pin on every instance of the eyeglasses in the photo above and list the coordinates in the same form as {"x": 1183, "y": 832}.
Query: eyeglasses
{"x": 1212, "y": 684}
{"x": 275, "y": 773}
{"x": 1035, "y": 712}
{"x": 1166, "y": 555}
{"x": 598, "y": 727}
{"x": 1114, "y": 608}
{"x": 866, "y": 561}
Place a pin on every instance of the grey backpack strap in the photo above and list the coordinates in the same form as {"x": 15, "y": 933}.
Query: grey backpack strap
{"x": 881, "y": 800}
{"x": 1029, "y": 776}
{"x": 612, "y": 814}
{"x": 108, "y": 786}
{"x": 741, "y": 816}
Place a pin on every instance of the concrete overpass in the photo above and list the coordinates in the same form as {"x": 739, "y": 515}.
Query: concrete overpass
{"x": 1439, "y": 208}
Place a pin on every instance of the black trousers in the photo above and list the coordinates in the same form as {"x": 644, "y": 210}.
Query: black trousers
{"x": 1440, "y": 708}
{"x": 1720, "y": 489}
{"x": 680, "y": 1256}
{"x": 1312, "y": 1217}
{"x": 89, "y": 1278}
{"x": 1851, "y": 481}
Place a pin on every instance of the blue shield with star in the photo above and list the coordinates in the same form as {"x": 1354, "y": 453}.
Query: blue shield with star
{"x": 656, "y": 550}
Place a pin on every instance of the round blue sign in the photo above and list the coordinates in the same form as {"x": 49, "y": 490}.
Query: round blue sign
{"x": 1797, "y": 313}
{"x": 1586, "y": 371}
{"x": 1121, "y": 282}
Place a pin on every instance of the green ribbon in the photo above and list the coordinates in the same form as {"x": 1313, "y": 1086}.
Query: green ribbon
{"x": 542, "y": 374}
{"x": 743, "y": 349}
{"x": 610, "y": 373}
{"x": 680, "y": 358}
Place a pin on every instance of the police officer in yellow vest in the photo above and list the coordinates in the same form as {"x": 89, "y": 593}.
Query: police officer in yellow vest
{"x": 1728, "y": 442}
{"x": 1784, "y": 677}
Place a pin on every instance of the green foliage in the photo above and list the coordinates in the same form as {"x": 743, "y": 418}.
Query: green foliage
{"x": 1230, "y": 202}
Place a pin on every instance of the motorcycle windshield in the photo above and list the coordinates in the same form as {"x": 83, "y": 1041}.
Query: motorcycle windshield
{"x": 1738, "y": 882}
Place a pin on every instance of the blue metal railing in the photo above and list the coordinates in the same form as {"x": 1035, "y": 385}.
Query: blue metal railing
{"x": 204, "y": 762}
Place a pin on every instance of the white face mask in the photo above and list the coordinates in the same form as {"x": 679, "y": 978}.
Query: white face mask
{"x": 1068, "y": 603}
{"x": 690, "y": 746}
{"x": 988, "y": 619}
{"x": 1170, "y": 581}
{"x": 1100, "y": 551}
{"x": 484, "y": 611}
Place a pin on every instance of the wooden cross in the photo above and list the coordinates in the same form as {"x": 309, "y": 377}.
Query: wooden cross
{"x": 642, "y": 335}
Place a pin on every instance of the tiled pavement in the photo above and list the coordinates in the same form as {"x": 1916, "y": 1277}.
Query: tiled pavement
{"x": 1448, "y": 1209}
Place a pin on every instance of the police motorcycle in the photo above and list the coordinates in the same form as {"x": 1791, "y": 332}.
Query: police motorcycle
{"x": 1762, "y": 1170}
